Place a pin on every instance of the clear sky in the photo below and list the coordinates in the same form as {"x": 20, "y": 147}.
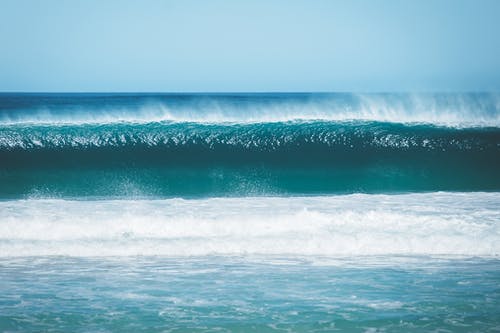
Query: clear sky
{"x": 254, "y": 45}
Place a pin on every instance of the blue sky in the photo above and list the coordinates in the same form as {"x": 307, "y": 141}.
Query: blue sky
{"x": 258, "y": 45}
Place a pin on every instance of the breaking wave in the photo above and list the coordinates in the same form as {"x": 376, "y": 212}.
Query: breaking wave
{"x": 411, "y": 224}
{"x": 463, "y": 110}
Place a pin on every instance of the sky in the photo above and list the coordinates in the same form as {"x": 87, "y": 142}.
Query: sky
{"x": 254, "y": 45}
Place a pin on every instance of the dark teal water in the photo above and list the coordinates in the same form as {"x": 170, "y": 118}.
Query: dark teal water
{"x": 170, "y": 159}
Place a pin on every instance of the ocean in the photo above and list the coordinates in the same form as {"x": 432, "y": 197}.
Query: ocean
{"x": 250, "y": 212}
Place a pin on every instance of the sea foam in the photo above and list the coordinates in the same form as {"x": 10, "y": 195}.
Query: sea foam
{"x": 360, "y": 224}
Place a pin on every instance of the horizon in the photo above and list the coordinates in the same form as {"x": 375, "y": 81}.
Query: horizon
{"x": 438, "y": 92}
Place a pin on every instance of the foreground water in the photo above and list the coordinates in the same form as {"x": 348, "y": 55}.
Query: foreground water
{"x": 249, "y": 212}
{"x": 356, "y": 263}
{"x": 249, "y": 294}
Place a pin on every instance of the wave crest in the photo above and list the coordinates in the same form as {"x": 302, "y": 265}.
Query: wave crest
{"x": 463, "y": 110}
{"x": 250, "y": 137}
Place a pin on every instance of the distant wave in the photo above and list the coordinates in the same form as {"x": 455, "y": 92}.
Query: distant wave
{"x": 462, "y": 110}
{"x": 411, "y": 224}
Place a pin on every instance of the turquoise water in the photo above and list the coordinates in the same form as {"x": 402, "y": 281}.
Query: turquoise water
{"x": 232, "y": 294}
{"x": 249, "y": 212}
{"x": 171, "y": 159}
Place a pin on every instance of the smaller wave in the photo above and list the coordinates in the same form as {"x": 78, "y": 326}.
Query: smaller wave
{"x": 411, "y": 224}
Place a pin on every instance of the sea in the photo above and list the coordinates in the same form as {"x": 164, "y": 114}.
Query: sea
{"x": 249, "y": 212}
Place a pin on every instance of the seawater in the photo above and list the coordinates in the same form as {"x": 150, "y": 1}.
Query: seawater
{"x": 249, "y": 212}
{"x": 250, "y": 294}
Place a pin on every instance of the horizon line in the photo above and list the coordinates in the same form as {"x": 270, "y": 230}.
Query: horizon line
{"x": 253, "y": 92}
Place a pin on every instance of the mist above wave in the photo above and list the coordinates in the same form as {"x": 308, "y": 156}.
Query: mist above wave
{"x": 442, "y": 109}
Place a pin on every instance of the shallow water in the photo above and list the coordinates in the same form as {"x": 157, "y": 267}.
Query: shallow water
{"x": 250, "y": 294}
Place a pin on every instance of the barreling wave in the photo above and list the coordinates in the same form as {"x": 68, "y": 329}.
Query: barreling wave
{"x": 458, "y": 109}
{"x": 171, "y": 145}
{"x": 192, "y": 159}
{"x": 411, "y": 224}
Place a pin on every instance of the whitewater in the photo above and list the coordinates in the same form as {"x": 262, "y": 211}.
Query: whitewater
{"x": 464, "y": 224}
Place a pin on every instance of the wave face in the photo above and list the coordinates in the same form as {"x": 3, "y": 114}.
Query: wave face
{"x": 108, "y": 146}
{"x": 410, "y": 224}
{"x": 464, "y": 110}
{"x": 192, "y": 159}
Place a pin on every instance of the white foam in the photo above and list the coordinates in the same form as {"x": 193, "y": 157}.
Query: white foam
{"x": 410, "y": 224}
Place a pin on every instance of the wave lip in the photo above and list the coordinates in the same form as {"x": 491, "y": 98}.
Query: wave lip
{"x": 459, "y": 109}
{"x": 437, "y": 223}
{"x": 262, "y": 136}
